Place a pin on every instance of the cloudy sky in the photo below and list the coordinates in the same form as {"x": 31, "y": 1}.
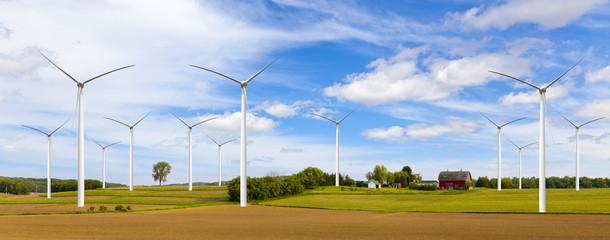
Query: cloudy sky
{"x": 416, "y": 70}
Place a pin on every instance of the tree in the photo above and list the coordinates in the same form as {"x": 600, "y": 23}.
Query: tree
{"x": 483, "y": 182}
{"x": 160, "y": 171}
{"x": 379, "y": 174}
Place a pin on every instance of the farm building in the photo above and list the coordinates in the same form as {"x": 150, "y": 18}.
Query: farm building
{"x": 396, "y": 185}
{"x": 448, "y": 180}
{"x": 428, "y": 182}
{"x": 374, "y": 184}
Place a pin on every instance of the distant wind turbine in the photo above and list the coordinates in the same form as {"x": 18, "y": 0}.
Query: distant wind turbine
{"x": 81, "y": 129}
{"x": 500, "y": 148}
{"x": 336, "y": 143}
{"x": 104, "y": 161}
{"x": 541, "y": 149}
{"x": 130, "y": 147}
{"x": 576, "y": 135}
{"x": 219, "y": 159}
{"x": 48, "y": 154}
{"x": 191, "y": 147}
{"x": 520, "y": 148}
{"x": 243, "y": 187}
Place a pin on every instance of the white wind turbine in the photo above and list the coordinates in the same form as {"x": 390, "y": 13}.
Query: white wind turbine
{"x": 576, "y": 135}
{"x": 130, "y": 147}
{"x": 520, "y": 148}
{"x": 104, "y": 161}
{"x": 81, "y": 129}
{"x": 243, "y": 187}
{"x": 191, "y": 147}
{"x": 219, "y": 159}
{"x": 500, "y": 148}
{"x": 336, "y": 143}
{"x": 48, "y": 154}
{"x": 541, "y": 149}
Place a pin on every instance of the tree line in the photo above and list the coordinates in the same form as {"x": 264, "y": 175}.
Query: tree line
{"x": 384, "y": 177}
{"x": 551, "y": 182}
{"x": 24, "y": 186}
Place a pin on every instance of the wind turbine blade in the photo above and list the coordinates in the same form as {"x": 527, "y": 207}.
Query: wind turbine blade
{"x": 58, "y": 67}
{"x": 212, "y": 140}
{"x": 111, "y": 144}
{"x": 348, "y": 114}
{"x": 547, "y": 86}
{"x": 35, "y": 129}
{"x": 324, "y": 117}
{"x": 180, "y": 119}
{"x": 107, "y": 73}
{"x": 204, "y": 121}
{"x": 247, "y": 106}
{"x": 529, "y": 145}
{"x": 227, "y": 142}
{"x": 532, "y": 85}
{"x": 117, "y": 121}
{"x": 142, "y": 118}
{"x": 216, "y": 73}
{"x": 513, "y": 121}
{"x": 512, "y": 143}
{"x": 492, "y": 122}
{"x": 97, "y": 143}
{"x": 591, "y": 121}
{"x": 259, "y": 72}
{"x": 567, "y": 120}
{"x": 59, "y": 127}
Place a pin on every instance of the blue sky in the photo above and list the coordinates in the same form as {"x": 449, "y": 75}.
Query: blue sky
{"x": 417, "y": 70}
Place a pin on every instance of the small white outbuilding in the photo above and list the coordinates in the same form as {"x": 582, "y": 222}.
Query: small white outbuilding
{"x": 374, "y": 184}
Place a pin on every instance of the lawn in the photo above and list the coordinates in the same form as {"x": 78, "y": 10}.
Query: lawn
{"x": 386, "y": 200}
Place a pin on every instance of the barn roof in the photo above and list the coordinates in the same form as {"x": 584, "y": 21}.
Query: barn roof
{"x": 453, "y": 176}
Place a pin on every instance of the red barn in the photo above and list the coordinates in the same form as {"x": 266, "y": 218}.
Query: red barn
{"x": 448, "y": 180}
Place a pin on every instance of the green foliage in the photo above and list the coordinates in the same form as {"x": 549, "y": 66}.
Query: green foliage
{"x": 11, "y": 186}
{"x": 483, "y": 182}
{"x": 72, "y": 185}
{"x": 380, "y": 174}
{"x": 120, "y": 208}
{"x": 128, "y": 208}
{"x": 423, "y": 187}
{"x": 507, "y": 183}
{"x": 91, "y": 209}
{"x": 103, "y": 208}
{"x": 160, "y": 171}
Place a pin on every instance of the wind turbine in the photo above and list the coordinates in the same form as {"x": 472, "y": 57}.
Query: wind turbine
{"x": 219, "y": 162}
{"x": 336, "y": 143}
{"x": 500, "y": 148}
{"x": 243, "y": 187}
{"x": 520, "y": 148}
{"x": 104, "y": 161}
{"x": 576, "y": 135}
{"x": 81, "y": 129}
{"x": 130, "y": 147}
{"x": 48, "y": 154}
{"x": 542, "y": 149}
{"x": 191, "y": 147}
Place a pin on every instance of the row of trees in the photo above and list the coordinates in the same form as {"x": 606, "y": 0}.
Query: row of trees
{"x": 277, "y": 186}
{"x": 405, "y": 176}
{"x": 551, "y": 182}
{"x": 73, "y": 185}
{"x": 12, "y": 186}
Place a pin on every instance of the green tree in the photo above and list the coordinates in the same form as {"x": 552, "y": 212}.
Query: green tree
{"x": 379, "y": 174}
{"x": 483, "y": 182}
{"x": 160, "y": 171}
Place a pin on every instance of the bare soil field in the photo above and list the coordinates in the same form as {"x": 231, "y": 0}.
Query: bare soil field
{"x": 261, "y": 222}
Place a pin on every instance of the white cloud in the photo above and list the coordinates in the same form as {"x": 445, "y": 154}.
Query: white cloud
{"x": 554, "y": 92}
{"x": 595, "y": 109}
{"x": 411, "y": 76}
{"x": 420, "y": 131}
{"x": 281, "y": 110}
{"x": 548, "y": 14}
{"x": 22, "y": 64}
{"x": 231, "y": 122}
{"x": 599, "y": 75}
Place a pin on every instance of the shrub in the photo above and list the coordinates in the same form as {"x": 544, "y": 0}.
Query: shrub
{"x": 128, "y": 208}
{"x": 413, "y": 185}
{"x": 91, "y": 209}
{"x": 103, "y": 208}
{"x": 119, "y": 208}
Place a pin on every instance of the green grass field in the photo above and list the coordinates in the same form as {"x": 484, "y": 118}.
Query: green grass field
{"x": 386, "y": 200}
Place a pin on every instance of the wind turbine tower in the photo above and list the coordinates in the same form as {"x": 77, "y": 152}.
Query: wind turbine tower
{"x": 576, "y": 135}
{"x": 191, "y": 147}
{"x": 81, "y": 129}
{"x": 500, "y": 147}
{"x": 520, "y": 148}
{"x": 48, "y": 154}
{"x": 243, "y": 187}
{"x": 130, "y": 147}
{"x": 104, "y": 161}
{"x": 542, "y": 149}
{"x": 336, "y": 143}
{"x": 219, "y": 158}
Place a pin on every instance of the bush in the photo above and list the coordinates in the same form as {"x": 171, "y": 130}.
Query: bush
{"x": 119, "y": 208}
{"x": 73, "y": 185}
{"x": 128, "y": 208}
{"x": 413, "y": 185}
{"x": 11, "y": 186}
{"x": 103, "y": 208}
{"x": 483, "y": 182}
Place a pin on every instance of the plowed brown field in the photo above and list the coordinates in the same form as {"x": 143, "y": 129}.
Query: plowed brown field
{"x": 260, "y": 222}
